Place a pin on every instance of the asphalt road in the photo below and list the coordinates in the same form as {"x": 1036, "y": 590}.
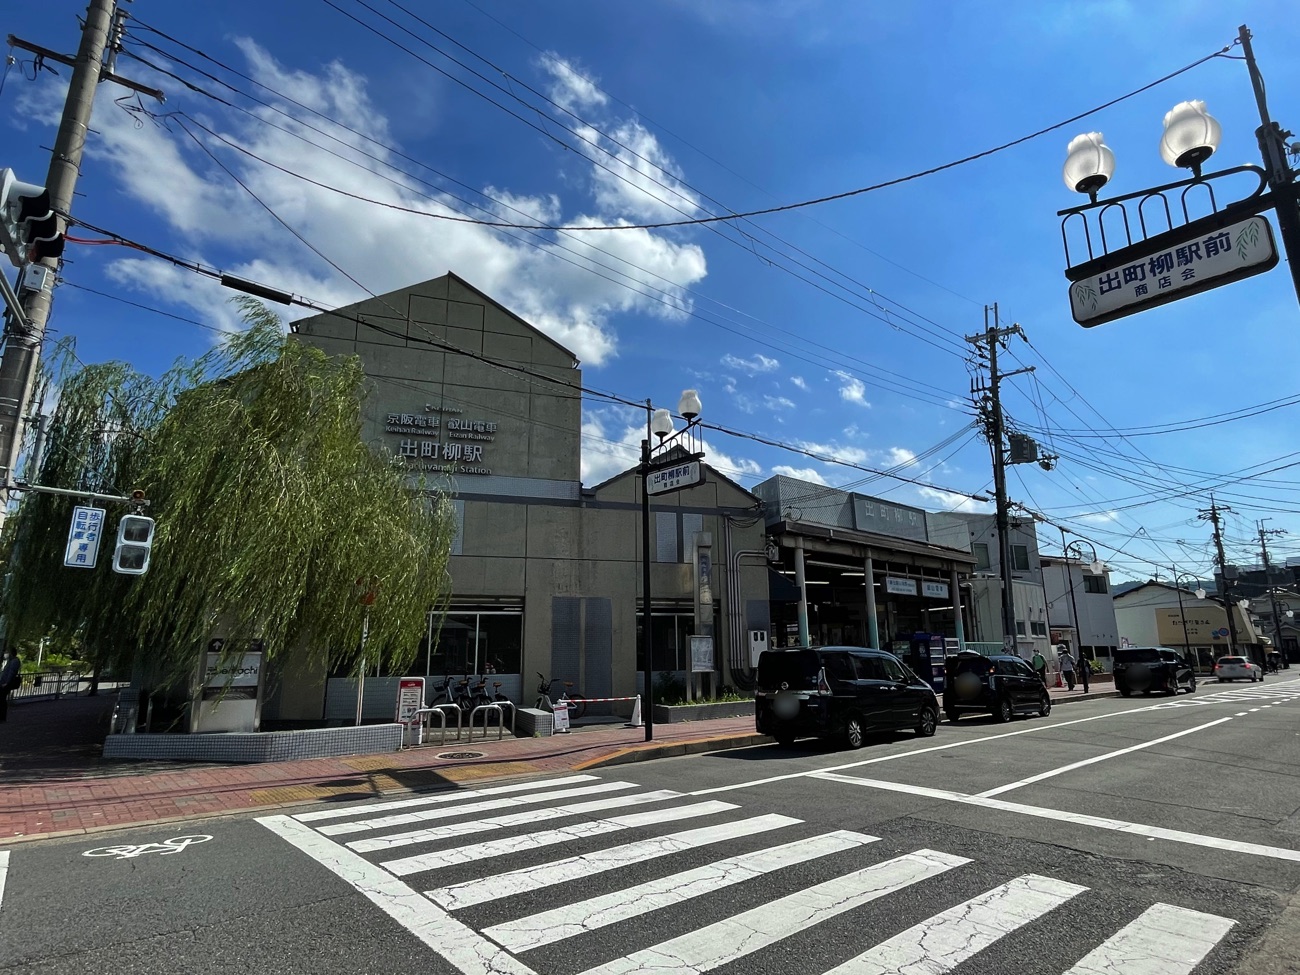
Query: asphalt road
{"x": 1129, "y": 837}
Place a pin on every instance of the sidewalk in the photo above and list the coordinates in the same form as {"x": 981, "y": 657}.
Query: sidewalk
{"x": 53, "y": 781}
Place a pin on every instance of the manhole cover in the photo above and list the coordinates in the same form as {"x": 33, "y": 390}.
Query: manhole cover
{"x": 460, "y": 755}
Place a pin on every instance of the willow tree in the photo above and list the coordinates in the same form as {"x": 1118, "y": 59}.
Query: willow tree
{"x": 274, "y": 517}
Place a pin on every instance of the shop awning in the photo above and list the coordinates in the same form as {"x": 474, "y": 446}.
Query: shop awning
{"x": 780, "y": 589}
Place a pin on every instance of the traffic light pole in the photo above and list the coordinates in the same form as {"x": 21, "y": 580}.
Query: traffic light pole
{"x": 23, "y": 344}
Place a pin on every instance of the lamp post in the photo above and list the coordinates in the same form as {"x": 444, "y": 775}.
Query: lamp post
{"x": 659, "y": 424}
{"x": 1182, "y": 615}
{"x": 1076, "y": 549}
{"x": 1191, "y": 135}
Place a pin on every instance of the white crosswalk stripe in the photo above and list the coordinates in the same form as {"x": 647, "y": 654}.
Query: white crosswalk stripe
{"x": 1284, "y": 693}
{"x": 735, "y": 848}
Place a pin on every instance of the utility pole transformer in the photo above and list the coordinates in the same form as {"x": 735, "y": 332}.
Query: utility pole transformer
{"x": 988, "y": 401}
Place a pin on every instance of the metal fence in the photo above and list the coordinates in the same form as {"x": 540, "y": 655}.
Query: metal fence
{"x": 51, "y": 685}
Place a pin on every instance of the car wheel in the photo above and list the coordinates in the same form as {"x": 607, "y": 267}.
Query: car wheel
{"x": 928, "y": 721}
{"x": 1125, "y": 692}
{"x": 1220, "y": 680}
{"x": 785, "y": 739}
{"x": 1172, "y": 689}
{"x": 953, "y": 714}
{"x": 1045, "y": 706}
{"x": 1191, "y": 687}
{"x": 853, "y": 735}
{"x": 1004, "y": 711}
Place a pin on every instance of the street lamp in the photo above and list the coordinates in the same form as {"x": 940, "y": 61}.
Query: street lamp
{"x": 659, "y": 424}
{"x": 1182, "y": 615}
{"x": 1076, "y": 549}
{"x": 1151, "y": 259}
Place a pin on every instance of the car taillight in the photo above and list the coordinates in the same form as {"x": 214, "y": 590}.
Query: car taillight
{"x": 822, "y": 686}
{"x": 1216, "y": 666}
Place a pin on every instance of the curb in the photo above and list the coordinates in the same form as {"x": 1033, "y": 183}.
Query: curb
{"x": 646, "y": 753}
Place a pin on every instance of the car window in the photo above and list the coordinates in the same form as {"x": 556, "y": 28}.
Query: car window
{"x": 974, "y": 663}
{"x": 1005, "y": 667}
{"x": 1230, "y": 660}
{"x": 1023, "y": 669}
{"x": 838, "y": 666}
{"x": 797, "y": 669}
{"x": 868, "y": 667}
{"x": 893, "y": 670}
{"x": 1168, "y": 656}
{"x": 1137, "y": 655}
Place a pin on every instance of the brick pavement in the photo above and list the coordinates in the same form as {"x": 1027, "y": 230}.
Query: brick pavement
{"x": 53, "y": 781}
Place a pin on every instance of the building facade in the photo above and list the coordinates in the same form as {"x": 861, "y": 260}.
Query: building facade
{"x": 1156, "y": 614}
{"x": 545, "y": 574}
{"x": 1080, "y": 608}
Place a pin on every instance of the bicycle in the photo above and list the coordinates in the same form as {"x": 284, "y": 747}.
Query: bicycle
{"x": 444, "y": 695}
{"x": 576, "y": 703}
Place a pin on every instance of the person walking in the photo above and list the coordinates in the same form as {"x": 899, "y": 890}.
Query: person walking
{"x": 10, "y": 677}
{"x": 1085, "y": 671}
{"x": 1067, "y": 667}
{"x": 1039, "y": 664}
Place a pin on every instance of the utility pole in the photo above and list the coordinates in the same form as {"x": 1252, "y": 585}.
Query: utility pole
{"x": 23, "y": 341}
{"x": 1268, "y": 584}
{"x": 1212, "y": 516}
{"x": 988, "y": 403}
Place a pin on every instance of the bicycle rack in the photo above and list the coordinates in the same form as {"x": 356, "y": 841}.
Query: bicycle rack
{"x": 440, "y": 711}
{"x": 488, "y": 709}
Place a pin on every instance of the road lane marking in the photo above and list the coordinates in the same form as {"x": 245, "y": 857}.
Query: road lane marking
{"x": 457, "y": 943}
{"x": 1163, "y": 940}
{"x": 449, "y": 830}
{"x": 942, "y": 942}
{"x": 559, "y": 923}
{"x": 456, "y": 796}
{"x": 424, "y": 815}
{"x": 1082, "y": 819}
{"x": 577, "y": 868}
{"x": 4, "y": 873}
{"x": 725, "y": 941}
{"x": 549, "y": 837}
{"x": 1095, "y": 759}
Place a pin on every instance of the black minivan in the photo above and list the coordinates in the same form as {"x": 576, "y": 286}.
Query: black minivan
{"x": 840, "y": 692}
{"x": 1147, "y": 669}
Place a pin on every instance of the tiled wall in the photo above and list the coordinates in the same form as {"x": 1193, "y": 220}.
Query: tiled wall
{"x": 272, "y": 746}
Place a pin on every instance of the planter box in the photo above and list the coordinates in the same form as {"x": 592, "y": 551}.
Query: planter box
{"x": 665, "y": 714}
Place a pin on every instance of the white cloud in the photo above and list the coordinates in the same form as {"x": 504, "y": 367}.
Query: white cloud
{"x": 801, "y": 473}
{"x": 634, "y": 176}
{"x": 778, "y": 403}
{"x": 799, "y": 381}
{"x": 753, "y": 365}
{"x": 1099, "y": 517}
{"x": 948, "y": 501}
{"x": 852, "y": 389}
{"x": 611, "y": 444}
{"x": 550, "y": 284}
{"x": 900, "y": 456}
{"x": 569, "y": 86}
{"x": 840, "y": 452}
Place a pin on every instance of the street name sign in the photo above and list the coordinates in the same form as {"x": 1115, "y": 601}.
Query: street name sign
{"x": 1175, "y": 270}
{"x": 686, "y": 474}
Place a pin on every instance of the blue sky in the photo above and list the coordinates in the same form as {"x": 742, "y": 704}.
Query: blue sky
{"x": 836, "y": 329}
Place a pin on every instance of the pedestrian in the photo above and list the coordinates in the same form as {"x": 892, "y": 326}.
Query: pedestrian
{"x": 1067, "y": 668}
{"x": 1040, "y": 667}
{"x": 10, "y": 677}
{"x": 1085, "y": 671}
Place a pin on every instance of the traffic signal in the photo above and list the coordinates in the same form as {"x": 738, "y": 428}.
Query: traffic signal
{"x": 29, "y": 228}
{"x": 134, "y": 541}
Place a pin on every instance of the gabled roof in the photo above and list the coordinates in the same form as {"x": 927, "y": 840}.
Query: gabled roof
{"x": 676, "y": 452}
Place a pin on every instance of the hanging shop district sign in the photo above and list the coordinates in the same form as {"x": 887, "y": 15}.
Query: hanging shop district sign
{"x": 665, "y": 479}
{"x": 1175, "y": 271}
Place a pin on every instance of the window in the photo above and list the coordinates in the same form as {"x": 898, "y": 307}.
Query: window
{"x": 675, "y": 533}
{"x": 1020, "y": 558}
{"x": 1094, "y": 583}
{"x": 1024, "y": 670}
{"x": 981, "y": 552}
{"x": 474, "y": 643}
{"x": 1038, "y": 628}
{"x": 838, "y": 666}
{"x": 892, "y": 670}
{"x": 1020, "y": 628}
{"x": 869, "y": 668}
{"x": 671, "y": 635}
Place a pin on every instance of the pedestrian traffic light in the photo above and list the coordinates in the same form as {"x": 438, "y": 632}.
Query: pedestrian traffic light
{"x": 29, "y": 228}
{"x": 134, "y": 542}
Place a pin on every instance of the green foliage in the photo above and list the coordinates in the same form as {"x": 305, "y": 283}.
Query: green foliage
{"x": 270, "y": 510}
{"x": 670, "y": 691}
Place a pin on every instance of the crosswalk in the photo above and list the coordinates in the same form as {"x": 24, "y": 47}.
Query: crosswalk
{"x": 577, "y": 871}
{"x": 1261, "y": 693}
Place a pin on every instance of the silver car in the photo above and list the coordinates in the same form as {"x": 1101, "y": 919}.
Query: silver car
{"x": 1237, "y": 668}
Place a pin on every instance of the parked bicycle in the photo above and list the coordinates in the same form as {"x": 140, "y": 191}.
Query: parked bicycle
{"x": 576, "y": 703}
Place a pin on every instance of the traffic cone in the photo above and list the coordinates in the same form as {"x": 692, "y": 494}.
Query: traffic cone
{"x": 1059, "y": 682}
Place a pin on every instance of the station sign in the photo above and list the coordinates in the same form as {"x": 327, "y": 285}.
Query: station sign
{"x": 666, "y": 479}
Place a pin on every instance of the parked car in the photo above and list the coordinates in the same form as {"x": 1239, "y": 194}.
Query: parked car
{"x": 1002, "y": 685}
{"x": 840, "y": 692}
{"x": 1237, "y": 668}
{"x": 1147, "y": 669}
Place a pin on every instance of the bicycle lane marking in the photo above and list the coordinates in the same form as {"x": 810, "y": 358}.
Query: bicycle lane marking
{"x": 457, "y": 943}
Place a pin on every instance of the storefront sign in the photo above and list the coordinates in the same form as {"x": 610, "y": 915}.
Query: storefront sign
{"x": 243, "y": 671}
{"x": 1182, "y": 269}
{"x": 1204, "y": 626}
{"x": 701, "y": 655}
{"x": 438, "y": 440}
{"x": 935, "y": 590}
{"x": 900, "y": 521}
{"x": 83, "y": 537}
{"x": 900, "y": 587}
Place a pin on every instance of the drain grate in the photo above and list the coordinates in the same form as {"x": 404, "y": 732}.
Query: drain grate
{"x": 460, "y": 755}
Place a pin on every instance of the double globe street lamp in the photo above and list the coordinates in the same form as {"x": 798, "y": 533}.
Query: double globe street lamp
{"x": 1151, "y": 259}
{"x": 1098, "y": 568}
{"x": 660, "y": 425}
{"x": 1182, "y": 615}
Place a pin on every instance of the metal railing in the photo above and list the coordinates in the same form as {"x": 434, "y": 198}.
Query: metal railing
{"x": 50, "y": 684}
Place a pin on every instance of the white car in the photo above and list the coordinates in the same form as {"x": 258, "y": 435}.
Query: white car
{"x": 1237, "y": 668}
